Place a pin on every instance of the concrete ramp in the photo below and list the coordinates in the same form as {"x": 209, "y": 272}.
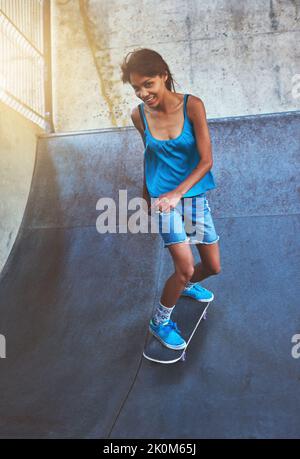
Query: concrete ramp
{"x": 75, "y": 304}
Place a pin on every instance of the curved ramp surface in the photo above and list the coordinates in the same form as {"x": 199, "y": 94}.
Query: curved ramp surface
{"x": 75, "y": 304}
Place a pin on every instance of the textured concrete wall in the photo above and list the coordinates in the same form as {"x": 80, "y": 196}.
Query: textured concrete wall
{"x": 17, "y": 154}
{"x": 239, "y": 57}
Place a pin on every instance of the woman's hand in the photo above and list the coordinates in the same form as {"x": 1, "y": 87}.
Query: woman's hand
{"x": 167, "y": 201}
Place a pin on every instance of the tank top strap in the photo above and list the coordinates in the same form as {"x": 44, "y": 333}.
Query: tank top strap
{"x": 185, "y": 102}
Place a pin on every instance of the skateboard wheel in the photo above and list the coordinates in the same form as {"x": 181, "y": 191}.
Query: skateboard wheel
{"x": 183, "y": 357}
{"x": 205, "y": 316}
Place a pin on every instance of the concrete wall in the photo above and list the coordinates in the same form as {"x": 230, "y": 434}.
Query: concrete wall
{"x": 18, "y": 138}
{"x": 239, "y": 57}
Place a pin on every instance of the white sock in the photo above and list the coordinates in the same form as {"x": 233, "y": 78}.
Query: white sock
{"x": 162, "y": 314}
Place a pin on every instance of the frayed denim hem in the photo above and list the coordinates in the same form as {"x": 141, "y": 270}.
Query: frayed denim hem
{"x": 175, "y": 242}
{"x": 206, "y": 243}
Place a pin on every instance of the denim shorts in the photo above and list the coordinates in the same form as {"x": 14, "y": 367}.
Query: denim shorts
{"x": 190, "y": 221}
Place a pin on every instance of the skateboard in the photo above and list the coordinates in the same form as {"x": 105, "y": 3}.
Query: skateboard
{"x": 188, "y": 317}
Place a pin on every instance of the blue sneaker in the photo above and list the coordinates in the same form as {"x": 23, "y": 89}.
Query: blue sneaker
{"x": 199, "y": 293}
{"x": 168, "y": 334}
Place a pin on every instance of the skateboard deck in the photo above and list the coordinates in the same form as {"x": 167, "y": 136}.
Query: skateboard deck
{"x": 188, "y": 316}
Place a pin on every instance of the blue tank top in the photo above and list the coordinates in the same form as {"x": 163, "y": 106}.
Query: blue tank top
{"x": 169, "y": 162}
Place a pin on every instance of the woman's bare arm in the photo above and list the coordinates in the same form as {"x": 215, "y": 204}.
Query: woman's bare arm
{"x": 135, "y": 117}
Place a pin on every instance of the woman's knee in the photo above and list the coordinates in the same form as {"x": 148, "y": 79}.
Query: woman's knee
{"x": 185, "y": 273}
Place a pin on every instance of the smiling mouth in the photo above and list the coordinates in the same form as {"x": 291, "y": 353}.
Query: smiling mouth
{"x": 150, "y": 99}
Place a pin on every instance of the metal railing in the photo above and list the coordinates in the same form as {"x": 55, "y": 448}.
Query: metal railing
{"x": 25, "y": 63}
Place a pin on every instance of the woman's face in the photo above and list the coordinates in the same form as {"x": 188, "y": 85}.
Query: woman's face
{"x": 149, "y": 89}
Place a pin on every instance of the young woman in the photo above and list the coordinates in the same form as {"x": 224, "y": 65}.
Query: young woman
{"x": 177, "y": 173}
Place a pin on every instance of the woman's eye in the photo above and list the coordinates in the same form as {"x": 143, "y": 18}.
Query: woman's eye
{"x": 147, "y": 85}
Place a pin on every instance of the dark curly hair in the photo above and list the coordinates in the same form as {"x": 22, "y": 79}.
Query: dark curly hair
{"x": 146, "y": 62}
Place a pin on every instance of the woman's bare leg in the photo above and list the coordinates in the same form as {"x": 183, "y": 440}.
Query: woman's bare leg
{"x": 210, "y": 262}
{"x": 184, "y": 268}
